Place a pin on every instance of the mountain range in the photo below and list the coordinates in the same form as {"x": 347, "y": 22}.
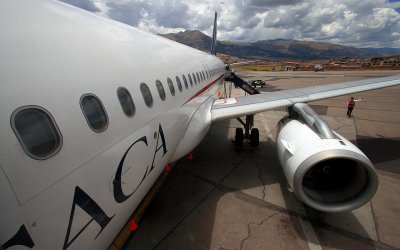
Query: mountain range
{"x": 278, "y": 49}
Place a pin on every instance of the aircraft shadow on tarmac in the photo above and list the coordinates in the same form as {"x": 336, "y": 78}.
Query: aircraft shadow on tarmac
{"x": 381, "y": 151}
{"x": 218, "y": 180}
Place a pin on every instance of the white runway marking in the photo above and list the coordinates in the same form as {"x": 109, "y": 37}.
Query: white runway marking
{"x": 312, "y": 239}
{"x": 313, "y": 242}
{"x": 265, "y": 124}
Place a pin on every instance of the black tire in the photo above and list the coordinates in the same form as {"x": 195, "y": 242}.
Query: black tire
{"x": 254, "y": 137}
{"x": 239, "y": 137}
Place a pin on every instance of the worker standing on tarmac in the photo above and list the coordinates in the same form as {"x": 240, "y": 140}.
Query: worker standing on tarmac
{"x": 350, "y": 105}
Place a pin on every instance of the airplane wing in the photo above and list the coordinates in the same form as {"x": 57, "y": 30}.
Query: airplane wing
{"x": 245, "y": 105}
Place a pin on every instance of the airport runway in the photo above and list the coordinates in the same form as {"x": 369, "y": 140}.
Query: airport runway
{"x": 238, "y": 199}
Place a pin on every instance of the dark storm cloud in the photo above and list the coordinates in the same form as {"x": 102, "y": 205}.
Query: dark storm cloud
{"x": 83, "y": 4}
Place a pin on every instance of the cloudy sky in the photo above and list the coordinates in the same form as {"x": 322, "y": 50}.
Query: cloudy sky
{"x": 358, "y": 23}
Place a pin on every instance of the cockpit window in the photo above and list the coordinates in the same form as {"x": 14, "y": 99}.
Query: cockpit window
{"x": 37, "y": 132}
{"x": 94, "y": 113}
{"x": 171, "y": 86}
{"x": 147, "y": 97}
{"x": 126, "y": 101}
{"x": 160, "y": 89}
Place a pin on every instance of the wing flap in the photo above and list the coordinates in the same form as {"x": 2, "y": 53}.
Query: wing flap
{"x": 246, "y": 105}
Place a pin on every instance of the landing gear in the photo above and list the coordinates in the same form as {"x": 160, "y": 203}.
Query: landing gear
{"x": 252, "y": 137}
{"x": 239, "y": 137}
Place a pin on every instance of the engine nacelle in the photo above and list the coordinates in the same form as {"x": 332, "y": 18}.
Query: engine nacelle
{"x": 325, "y": 170}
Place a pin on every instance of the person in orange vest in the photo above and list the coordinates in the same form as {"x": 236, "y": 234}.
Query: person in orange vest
{"x": 350, "y": 105}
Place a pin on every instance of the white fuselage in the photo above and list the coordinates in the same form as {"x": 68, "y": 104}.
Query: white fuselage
{"x": 52, "y": 54}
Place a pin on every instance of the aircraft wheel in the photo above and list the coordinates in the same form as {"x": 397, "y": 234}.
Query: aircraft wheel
{"x": 254, "y": 137}
{"x": 239, "y": 137}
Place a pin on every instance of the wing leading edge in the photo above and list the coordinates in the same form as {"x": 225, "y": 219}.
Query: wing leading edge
{"x": 245, "y": 105}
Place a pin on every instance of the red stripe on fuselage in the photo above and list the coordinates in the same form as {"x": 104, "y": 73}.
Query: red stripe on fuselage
{"x": 203, "y": 89}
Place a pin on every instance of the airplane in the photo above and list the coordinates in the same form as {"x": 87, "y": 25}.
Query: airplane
{"x": 92, "y": 111}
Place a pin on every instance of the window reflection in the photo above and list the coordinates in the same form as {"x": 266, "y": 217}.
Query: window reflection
{"x": 94, "y": 113}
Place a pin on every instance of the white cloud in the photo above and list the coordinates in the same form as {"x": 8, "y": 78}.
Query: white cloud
{"x": 349, "y": 22}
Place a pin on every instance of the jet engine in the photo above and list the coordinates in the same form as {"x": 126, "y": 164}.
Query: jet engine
{"x": 324, "y": 170}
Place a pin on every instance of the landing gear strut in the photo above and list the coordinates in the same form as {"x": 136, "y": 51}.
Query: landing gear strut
{"x": 254, "y": 136}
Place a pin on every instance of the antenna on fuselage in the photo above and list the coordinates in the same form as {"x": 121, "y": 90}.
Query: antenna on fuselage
{"x": 214, "y": 37}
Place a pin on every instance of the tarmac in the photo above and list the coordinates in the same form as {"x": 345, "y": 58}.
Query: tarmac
{"x": 230, "y": 198}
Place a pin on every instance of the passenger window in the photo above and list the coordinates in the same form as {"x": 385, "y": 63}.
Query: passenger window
{"x": 178, "y": 81}
{"x": 160, "y": 89}
{"x": 94, "y": 113}
{"x": 126, "y": 102}
{"x": 185, "y": 81}
{"x": 190, "y": 80}
{"x": 171, "y": 86}
{"x": 204, "y": 77}
{"x": 37, "y": 132}
{"x": 147, "y": 97}
{"x": 194, "y": 79}
{"x": 198, "y": 78}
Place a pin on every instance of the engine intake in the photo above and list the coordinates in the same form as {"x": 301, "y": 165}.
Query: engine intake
{"x": 328, "y": 173}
